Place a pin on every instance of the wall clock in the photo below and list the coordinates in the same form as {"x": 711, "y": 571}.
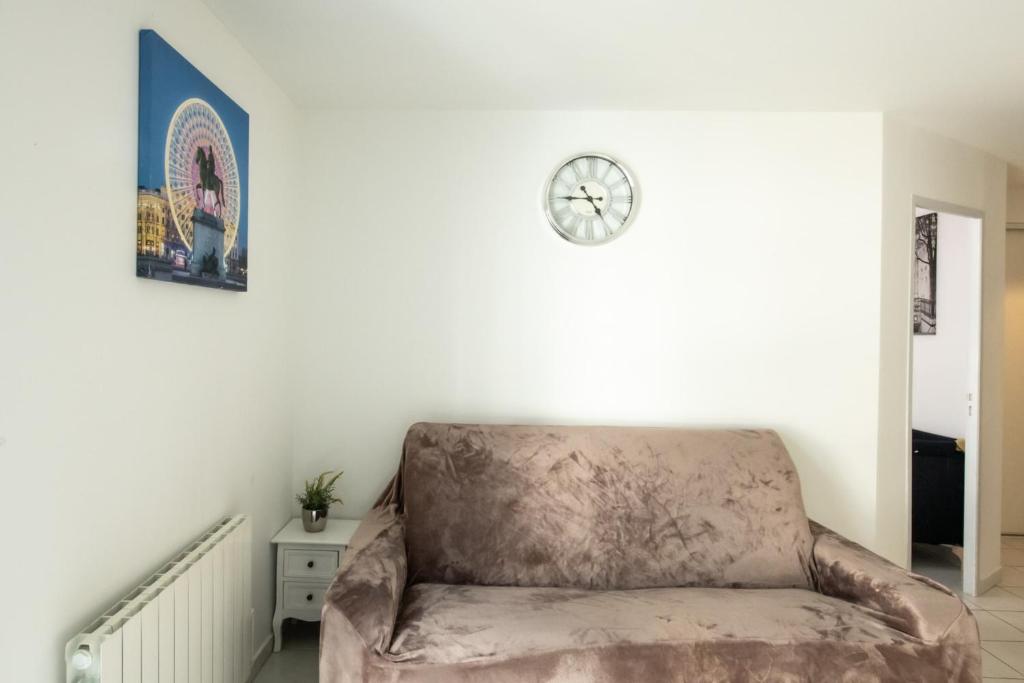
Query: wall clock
{"x": 590, "y": 199}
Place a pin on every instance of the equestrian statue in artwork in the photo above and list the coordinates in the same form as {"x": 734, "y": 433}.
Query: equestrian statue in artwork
{"x": 210, "y": 186}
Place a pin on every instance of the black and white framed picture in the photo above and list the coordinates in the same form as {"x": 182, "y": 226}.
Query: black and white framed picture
{"x": 926, "y": 240}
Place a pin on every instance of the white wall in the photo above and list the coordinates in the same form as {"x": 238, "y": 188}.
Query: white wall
{"x": 1013, "y": 436}
{"x": 427, "y": 285}
{"x": 432, "y": 287}
{"x": 133, "y": 413}
{"x": 1015, "y": 204}
{"x": 940, "y": 360}
{"x": 920, "y": 163}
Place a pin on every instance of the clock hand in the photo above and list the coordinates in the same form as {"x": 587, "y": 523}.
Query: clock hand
{"x": 585, "y": 196}
{"x": 588, "y": 197}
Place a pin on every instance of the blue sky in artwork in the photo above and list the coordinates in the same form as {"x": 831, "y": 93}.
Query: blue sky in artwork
{"x": 166, "y": 79}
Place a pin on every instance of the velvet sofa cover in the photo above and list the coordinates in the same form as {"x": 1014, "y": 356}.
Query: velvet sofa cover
{"x": 528, "y": 553}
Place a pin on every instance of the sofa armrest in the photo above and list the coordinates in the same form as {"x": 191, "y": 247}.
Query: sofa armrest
{"x": 907, "y": 602}
{"x": 362, "y": 603}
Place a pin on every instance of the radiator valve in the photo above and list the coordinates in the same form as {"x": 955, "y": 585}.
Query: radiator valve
{"x": 81, "y": 659}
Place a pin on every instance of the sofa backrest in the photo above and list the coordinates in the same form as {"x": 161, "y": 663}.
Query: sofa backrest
{"x": 601, "y": 507}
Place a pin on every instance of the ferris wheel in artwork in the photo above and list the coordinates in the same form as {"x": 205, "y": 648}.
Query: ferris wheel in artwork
{"x": 201, "y": 171}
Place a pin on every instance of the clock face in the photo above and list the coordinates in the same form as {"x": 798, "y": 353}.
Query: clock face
{"x": 590, "y": 199}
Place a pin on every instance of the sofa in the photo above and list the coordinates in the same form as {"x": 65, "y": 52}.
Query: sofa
{"x": 540, "y": 553}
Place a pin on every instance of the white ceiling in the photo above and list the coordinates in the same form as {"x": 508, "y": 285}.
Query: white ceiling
{"x": 953, "y": 65}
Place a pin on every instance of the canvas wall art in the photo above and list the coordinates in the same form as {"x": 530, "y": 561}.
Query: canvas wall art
{"x": 193, "y": 208}
{"x": 925, "y": 273}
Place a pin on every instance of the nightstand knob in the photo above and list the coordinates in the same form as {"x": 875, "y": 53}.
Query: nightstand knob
{"x": 310, "y": 597}
{"x": 310, "y": 564}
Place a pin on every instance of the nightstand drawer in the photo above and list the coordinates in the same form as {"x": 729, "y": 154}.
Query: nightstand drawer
{"x": 304, "y": 596}
{"x": 310, "y": 564}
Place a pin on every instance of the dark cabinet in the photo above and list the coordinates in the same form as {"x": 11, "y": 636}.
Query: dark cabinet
{"x": 938, "y": 490}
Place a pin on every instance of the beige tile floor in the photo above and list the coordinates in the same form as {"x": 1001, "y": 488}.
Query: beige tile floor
{"x": 1000, "y": 614}
{"x": 1000, "y": 611}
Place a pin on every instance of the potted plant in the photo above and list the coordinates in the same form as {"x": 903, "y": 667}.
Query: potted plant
{"x": 315, "y": 501}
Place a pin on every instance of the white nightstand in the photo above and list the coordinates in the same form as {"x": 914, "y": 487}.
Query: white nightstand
{"x": 306, "y": 565}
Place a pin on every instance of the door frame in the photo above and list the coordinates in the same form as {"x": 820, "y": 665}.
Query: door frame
{"x": 972, "y": 451}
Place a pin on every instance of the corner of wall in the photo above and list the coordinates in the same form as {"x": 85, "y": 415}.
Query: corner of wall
{"x": 921, "y": 163}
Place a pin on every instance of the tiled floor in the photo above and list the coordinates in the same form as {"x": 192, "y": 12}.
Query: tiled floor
{"x": 1000, "y": 611}
{"x": 297, "y": 660}
{"x": 1000, "y": 614}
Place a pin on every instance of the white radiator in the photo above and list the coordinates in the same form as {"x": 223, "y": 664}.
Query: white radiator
{"x": 188, "y": 623}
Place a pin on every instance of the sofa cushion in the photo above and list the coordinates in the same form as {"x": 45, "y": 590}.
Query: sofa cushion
{"x": 777, "y": 634}
{"x": 601, "y": 507}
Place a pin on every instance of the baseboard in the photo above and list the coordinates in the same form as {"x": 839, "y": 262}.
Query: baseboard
{"x": 990, "y": 581}
{"x": 261, "y": 656}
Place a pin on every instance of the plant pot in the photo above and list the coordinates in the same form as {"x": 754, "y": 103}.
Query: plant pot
{"x": 314, "y": 520}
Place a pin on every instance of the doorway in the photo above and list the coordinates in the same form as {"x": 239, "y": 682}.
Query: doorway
{"x": 943, "y": 416}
